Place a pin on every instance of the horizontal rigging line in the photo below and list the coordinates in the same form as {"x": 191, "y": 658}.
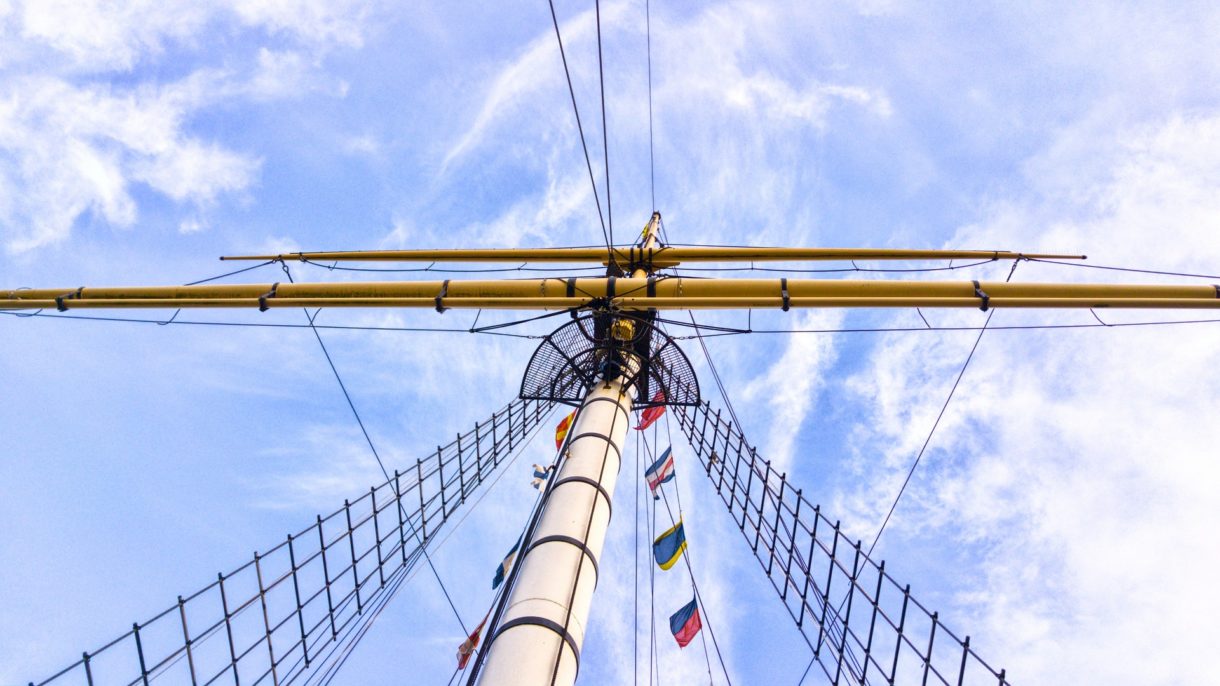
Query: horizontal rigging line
{"x": 1125, "y": 269}
{"x": 721, "y": 331}
{"x": 337, "y": 327}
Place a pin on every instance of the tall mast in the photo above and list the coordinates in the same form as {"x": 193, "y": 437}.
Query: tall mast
{"x": 543, "y": 626}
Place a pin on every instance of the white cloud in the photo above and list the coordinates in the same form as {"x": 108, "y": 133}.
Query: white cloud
{"x": 318, "y": 22}
{"x": 76, "y": 149}
{"x": 76, "y": 146}
{"x": 98, "y": 36}
{"x": 1073, "y": 464}
{"x": 790, "y": 386}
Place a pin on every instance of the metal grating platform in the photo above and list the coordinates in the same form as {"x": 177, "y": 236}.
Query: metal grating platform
{"x": 568, "y": 362}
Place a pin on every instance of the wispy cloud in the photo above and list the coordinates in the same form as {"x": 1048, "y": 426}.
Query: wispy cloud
{"x": 1079, "y": 438}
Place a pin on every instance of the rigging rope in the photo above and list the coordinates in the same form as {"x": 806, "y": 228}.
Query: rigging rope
{"x": 601, "y": 78}
{"x": 935, "y": 424}
{"x": 581, "y": 129}
{"x": 373, "y": 448}
{"x": 1123, "y": 269}
{"x": 652, "y": 165}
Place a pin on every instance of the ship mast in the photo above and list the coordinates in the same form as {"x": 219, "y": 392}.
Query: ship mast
{"x": 537, "y": 634}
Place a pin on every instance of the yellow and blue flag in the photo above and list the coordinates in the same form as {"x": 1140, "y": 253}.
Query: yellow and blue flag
{"x": 669, "y": 546}
{"x": 507, "y": 564}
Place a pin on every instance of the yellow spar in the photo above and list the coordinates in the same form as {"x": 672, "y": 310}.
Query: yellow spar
{"x": 630, "y": 293}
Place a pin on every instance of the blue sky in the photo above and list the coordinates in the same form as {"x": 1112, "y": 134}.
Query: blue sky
{"x": 1061, "y": 517}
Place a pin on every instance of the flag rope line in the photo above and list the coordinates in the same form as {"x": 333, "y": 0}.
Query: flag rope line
{"x": 694, "y": 584}
{"x": 636, "y": 544}
{"x": 654, "y": 655}
{"x": 690, "y": 570}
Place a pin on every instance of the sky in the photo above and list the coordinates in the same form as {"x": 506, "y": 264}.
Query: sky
{"x": 1062, "y": 515}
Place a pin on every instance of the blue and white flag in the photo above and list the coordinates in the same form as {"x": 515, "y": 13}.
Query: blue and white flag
{"x": 507, "y": 564}
{"x": 540, "y": 476}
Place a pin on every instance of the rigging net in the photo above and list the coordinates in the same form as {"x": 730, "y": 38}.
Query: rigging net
{"x": 879, "y": 633}
{"x": 279, "y": 617}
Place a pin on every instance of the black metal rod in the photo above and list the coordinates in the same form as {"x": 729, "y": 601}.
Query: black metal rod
{"x": 296, "y": 591}
{"x": 186, "y": 640}
{"x": 330, "y": 601}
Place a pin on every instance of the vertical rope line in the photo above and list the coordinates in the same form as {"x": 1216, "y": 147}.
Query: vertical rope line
{"x": 581, "y": 129}
{"x": 652, "y": 165}
{"x": 654, "y": 655}
{"x": 635, "y": 605}
{"x": 601, "y": 76}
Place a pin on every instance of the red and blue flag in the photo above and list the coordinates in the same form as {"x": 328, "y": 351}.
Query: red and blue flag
{"x": 685, "y": 623}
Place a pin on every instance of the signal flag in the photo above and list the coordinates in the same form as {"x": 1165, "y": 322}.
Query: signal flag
{"x": 669, "y": 546}
{"x": 685, "y": 623}
{"x": 561, "y": 431}
{"x": 660, "y": 472}
{"x": 652, "y": 414}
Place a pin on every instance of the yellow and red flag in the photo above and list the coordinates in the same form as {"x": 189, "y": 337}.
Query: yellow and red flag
{"x": 561, "y": 431}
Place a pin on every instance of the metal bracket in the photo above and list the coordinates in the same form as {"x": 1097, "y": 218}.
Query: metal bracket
{"x": 783, "y": 289}
{"x": 978, "y": 293}
{"x": 59, "y": 299}
{"x": 586, "y": 480}
{"x": 444, "y": 292}
{"x": 594, "y": 434}
{"x": 544, "y": 623}
{"x": 262, "y": 299}
{"x": 573, "y": 542}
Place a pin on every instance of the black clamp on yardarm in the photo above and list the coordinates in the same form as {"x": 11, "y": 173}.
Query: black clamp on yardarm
{"x": 59, "y": 299}
{"x": 262, "y": 299}
{"x": 783, "y": 289}
{"x": 1217, "y": 287}
{"x": 978, "y": 293}
{"x": 610, "y": 287}
{"x": 439, "y": 296}
{"x": 571, "y": 293}
{"x": 652, "y": 286}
